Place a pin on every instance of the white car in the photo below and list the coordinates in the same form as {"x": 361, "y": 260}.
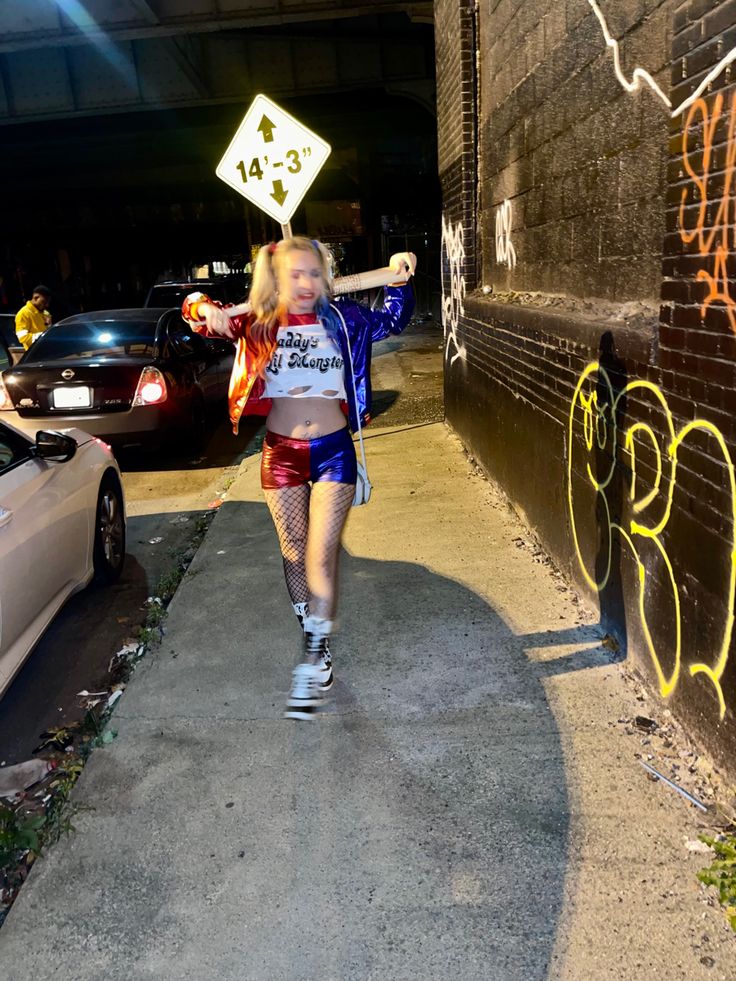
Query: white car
{"x": 62, "y": 522}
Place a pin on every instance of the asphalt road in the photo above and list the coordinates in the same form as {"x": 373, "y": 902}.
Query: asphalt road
{"x": 165, "y": 497}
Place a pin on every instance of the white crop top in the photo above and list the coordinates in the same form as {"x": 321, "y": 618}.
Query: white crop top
{"x": 306, "y": 364}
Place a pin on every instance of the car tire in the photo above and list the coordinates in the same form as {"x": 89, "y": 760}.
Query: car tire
{"x": 109, "y": 545}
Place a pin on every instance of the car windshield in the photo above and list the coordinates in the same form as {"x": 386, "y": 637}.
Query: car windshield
{"x": 85, "y": 339}
{"x": 174, "y": 295}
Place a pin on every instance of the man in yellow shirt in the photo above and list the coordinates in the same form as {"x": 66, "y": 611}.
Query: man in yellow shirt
{"x": 34, "y": 318}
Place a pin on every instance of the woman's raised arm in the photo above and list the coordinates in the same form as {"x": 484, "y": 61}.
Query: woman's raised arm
{"x": 209, "y": 317}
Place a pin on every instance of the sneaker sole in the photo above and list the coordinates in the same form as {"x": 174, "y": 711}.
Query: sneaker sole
{"x": 301, "y": 712}
{"x": 306, "y": 702}
{"x": 326, "y": 685}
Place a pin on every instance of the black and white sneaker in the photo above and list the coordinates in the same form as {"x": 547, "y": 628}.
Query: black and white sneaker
{"x": 318, "y": 648}
{"x": 302, "y": 612}
{"x": 325, "y": 666}
{"x": 306, "y": 692}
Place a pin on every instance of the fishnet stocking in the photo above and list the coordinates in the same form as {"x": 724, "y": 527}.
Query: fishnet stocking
{"x": 328, "y": 512}
{"x": 309, "y": 524}
{"x": 289, "y": 507}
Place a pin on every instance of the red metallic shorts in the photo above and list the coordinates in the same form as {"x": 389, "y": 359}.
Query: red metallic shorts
{"x": 292, "y": 462}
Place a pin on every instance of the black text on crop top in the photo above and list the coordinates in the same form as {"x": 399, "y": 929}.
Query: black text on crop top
{"x": 305, "y": 364}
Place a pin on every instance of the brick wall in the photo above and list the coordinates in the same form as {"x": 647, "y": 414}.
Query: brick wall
{"x": 456, "y": 122}
{"x": 579, "y": 161}
{"x": 596, "y": 379}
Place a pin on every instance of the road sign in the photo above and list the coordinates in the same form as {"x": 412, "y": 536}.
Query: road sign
{"x": 272, "y": 159}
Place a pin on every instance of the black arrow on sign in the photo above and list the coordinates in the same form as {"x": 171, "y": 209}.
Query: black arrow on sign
{"x": 266, "y": 127}
{"x": 278, "y": 193}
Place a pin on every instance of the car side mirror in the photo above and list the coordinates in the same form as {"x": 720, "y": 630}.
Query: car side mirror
{"x": 55, "y": 446}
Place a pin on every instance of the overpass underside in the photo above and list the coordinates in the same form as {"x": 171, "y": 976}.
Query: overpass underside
{"x": 114, "y": 114}
{"x": 67, "y": 58}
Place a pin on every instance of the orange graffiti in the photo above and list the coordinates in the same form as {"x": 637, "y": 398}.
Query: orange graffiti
{"x": 711, "y": 230}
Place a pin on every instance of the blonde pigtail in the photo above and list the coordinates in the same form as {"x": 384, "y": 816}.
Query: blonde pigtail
{"x": 263, "y": 296}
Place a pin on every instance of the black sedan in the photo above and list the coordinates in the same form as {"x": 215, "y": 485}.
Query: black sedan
{"x": 131, "y": 377}
{"x": 7, "y": 332}
{"x": 172, "y": 293}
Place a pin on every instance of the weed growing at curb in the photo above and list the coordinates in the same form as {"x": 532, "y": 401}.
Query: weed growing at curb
{"x": 151, "y": 631}
{"x": 62, "y": 810}
{"x": 19, "y": 833}
{"x": 29, "y": 828}
{"x": 722, "y": 873}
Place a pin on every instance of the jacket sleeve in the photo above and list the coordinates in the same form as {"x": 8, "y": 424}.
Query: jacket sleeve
{"x": 190, "y": 313}
{"x": 24, "y": 328}
{"x": 391, "y": 318}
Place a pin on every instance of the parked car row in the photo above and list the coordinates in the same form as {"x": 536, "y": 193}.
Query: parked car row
{"x": 128, "y": 377}
{"x": 62, "y": 523}
{"x": 172, "y": 293}
{"x": 132, "y": 377}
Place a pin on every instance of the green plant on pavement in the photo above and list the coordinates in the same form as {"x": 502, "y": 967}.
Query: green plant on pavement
{"x": 23, "y": 831}
{"x": 62, "y": 810}
{"x": 19, "y": 833}
{"x": 722, "y": 873}
{"x": 149, "y": 633}
{"x": 168, "y": 583}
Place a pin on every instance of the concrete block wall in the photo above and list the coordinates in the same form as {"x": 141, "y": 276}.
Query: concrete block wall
{"x": 591, "y": 356}
{"x": 578, "y": 161}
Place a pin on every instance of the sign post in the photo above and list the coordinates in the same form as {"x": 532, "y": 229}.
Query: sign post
{"x": 272, "y": 160}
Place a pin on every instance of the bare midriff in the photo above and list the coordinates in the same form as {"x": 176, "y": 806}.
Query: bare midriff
{"x": 305, "y": 418}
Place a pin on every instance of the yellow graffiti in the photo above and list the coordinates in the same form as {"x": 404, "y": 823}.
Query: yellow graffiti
{"x": 631, "y": 447}
{"x": 604, "y": 418}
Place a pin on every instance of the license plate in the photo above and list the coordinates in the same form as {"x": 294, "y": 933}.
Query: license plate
{"x": 76, "y": 397}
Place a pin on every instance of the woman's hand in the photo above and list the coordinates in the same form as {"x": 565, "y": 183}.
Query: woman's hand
{"x": 217, "y": 320}
{"x": 402, "y": 263}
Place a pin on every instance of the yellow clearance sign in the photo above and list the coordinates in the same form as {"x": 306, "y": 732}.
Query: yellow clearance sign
{"x": 272, "y": 159}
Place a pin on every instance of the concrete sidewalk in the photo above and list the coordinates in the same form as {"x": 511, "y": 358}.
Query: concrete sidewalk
{"x": 466, "y": 807}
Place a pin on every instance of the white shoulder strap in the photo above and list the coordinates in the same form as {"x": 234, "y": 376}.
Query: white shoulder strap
{"x": 355, "y": 392}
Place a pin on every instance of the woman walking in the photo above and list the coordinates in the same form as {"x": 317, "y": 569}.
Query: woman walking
{"x": 304, "y": 361}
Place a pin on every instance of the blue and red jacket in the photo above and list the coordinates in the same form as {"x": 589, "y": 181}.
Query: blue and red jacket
{"x": 363, "y": 325}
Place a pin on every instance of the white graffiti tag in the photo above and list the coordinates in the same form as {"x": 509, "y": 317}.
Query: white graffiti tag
{"x": 453, "y": 306}
{"x": 505, "y": 251}
{"x": 639, "y": 75}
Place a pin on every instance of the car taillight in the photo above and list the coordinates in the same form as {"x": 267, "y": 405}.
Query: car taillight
{"x": 151, "y": 388}
{"x": 5, "y": 400}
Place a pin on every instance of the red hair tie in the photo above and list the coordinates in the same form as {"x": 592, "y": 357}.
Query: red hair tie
{"x": 271, "y": 248}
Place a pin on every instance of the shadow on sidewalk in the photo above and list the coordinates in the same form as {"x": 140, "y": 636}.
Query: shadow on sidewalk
{"x": 442, "y": 781}
{"x": 438, "y": 779}
{"x": 593, "y": 655}
{"x": 419, "y": 829}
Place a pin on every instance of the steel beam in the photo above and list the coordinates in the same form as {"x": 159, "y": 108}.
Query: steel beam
{"x": 407, "y": 75}
{"x": 421, "y": 12}
{"x": 70, "y": 76}
{"x": 187, "y": 67}
{"x": 7, "y": 84}
{"x": 144, "y": 9}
